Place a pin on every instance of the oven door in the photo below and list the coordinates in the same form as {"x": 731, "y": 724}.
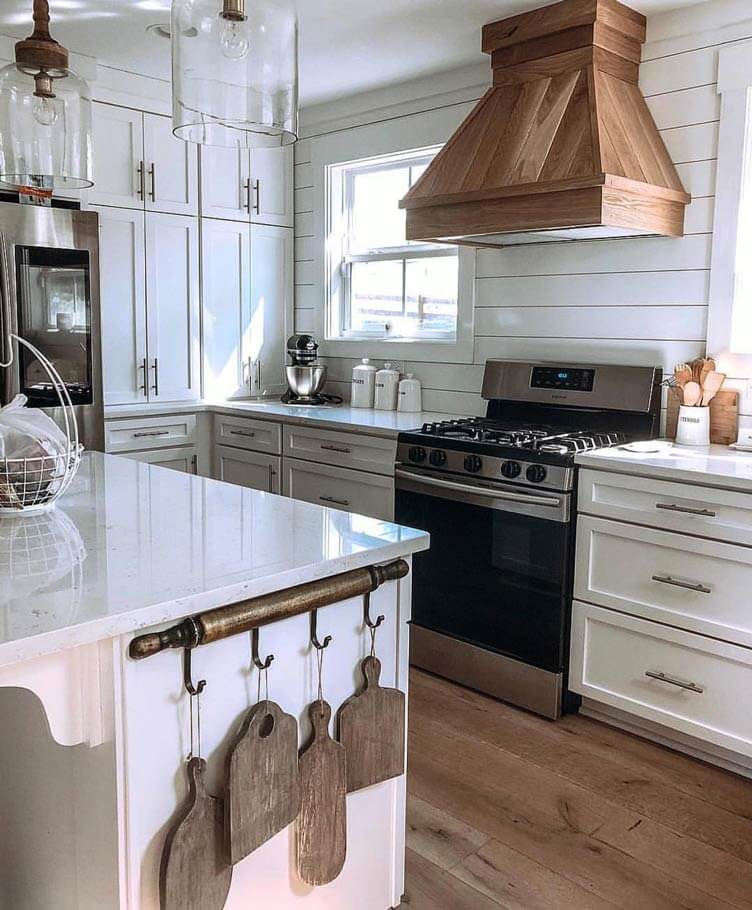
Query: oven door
{"x": 497, "y": 574}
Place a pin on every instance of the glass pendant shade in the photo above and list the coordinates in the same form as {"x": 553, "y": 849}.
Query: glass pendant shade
{"x": 235, "y": 72}
{"x": 45, "y": 114}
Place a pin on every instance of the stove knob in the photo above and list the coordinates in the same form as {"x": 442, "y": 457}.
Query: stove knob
{"x": 438, "y": 458}
{"x": 536, "y": 473}
{"x": 511, "y": 469}
{"x": 417, "y": 454}
{"x": 473, "y": 463}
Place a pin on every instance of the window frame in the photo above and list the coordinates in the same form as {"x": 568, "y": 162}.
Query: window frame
{"x": 733, "y": 197}
{"x": 406, "y": 135}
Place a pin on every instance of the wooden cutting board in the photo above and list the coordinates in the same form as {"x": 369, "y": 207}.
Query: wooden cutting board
{"x": 724, "y": 416}
{"x": 263, "y": 785}
{"x": 372, "y": 730}
{"x": 194, "y": 873}
{"x": 321, "y": 827}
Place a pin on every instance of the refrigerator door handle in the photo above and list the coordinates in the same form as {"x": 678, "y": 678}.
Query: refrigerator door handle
{"x": 6, "y": 347}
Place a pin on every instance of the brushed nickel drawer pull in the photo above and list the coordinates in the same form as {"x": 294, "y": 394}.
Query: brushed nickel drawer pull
{"x": 151, "y": 433}
{"x": 668, "y": 580}
{"x": 673, "y": 507}
{"x": 338, "y": 502}
{"x": 342, "y": 449}
{"x": 661, "y": 677}
{"x": 242, "y": 433}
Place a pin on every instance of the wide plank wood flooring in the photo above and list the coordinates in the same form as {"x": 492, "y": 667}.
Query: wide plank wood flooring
{"x": 509, "y": 810}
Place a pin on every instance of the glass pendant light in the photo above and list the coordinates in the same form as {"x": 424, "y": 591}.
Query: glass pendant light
{"x": 235, "y": 72}
{"x": 45, "y": 115}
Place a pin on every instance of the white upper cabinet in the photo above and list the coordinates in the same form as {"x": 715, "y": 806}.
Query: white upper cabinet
{"x": 226, "y": 282}
{"x": 171, "y": 169}
{"x": 118, "y": 153}
{"x": 272, "y": 190}
{"x": 123, "y": 300}
{"x": 225, "y": 183}
{"x": 138, "y": 163}
{"x": 271, "y": 308}
{"x": 172, "y": 291}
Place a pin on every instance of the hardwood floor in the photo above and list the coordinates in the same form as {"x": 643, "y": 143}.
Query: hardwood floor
{"x": 509, "y": 810}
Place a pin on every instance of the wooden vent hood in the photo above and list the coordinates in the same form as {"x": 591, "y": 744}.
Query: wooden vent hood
{"x": 563, "y": 143}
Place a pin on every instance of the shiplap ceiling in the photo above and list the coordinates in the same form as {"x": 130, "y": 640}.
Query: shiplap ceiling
{"x": 345, "y": 47}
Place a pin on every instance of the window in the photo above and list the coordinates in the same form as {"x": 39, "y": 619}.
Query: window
{"x": 383, "y": 287}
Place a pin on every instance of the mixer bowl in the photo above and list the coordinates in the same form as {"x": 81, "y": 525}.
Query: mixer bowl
{"x": 306, "y": 381}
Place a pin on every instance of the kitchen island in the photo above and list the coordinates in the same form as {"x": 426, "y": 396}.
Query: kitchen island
{"x": 95, "y": 742}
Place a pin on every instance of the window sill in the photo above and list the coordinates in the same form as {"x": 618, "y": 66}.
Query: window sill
{"x": 399, "y": 349}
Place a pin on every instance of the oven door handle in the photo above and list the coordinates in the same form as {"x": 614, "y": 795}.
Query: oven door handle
{"x": 484, "y": 492}
{"x": 6, "y": 345}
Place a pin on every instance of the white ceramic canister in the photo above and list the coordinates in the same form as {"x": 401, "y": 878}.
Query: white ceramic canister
{"x": 693, "y": 428}
{"x": 363, "y": 384}
{"x": 410, "y": 397}
{"x": 387, "y": 387}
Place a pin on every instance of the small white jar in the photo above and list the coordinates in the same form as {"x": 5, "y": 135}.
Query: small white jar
{"x": 410, "y": 397}
{"x": 693, "y": 428}
{"x": 387, "y": 383}
{"x": 363, "y": 384}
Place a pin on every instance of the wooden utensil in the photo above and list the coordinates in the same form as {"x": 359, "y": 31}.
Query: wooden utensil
{"x": 682, "y": 374}
{"x": 713, "y": 383}
{"x": 263, "y": 784}
{"x": 321, "y": 826}
{"x": 696, "y": 366}
{"x": 692, "y": 394}
{"x": 708, "y": 366}
{"x": 194, "y": 873}
{"x": 372, "y": 730}
{"x": 724, "y": 417}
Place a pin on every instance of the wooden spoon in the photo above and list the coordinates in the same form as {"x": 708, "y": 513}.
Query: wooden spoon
{"x": 682, "y": 374}
{"x": 696, "y": 367}
{"x": 713, "y": 383}
{"x": 692, "y": 394}
{"x": 708, "y": 365}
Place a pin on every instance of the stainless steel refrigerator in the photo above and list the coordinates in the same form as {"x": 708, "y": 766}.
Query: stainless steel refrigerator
{"x": 49, "y": 278}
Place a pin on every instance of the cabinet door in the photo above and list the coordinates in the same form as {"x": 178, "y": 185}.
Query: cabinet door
{"x": 225, "y": 183}
{"x": 226, "y": 285}
{"x": 272, "y": 185}
{"x": 171, "y": 169}
{"x": 179, "y": 459}
{"x": 172, "y": 307}
{"x": 123, "y": 301}
{"x": 118, "y": 153}
{"x": 271, "y": 307}
{"x": 248, "y": 469}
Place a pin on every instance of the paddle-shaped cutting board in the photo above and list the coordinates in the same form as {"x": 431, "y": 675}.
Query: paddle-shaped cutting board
{"x": 263, "y": 786}
{"x": 372, "y": 730}
{"x": 321, "y": 827}
{"x": 195, "y": 874}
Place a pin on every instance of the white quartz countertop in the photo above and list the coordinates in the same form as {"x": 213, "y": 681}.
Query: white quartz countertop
{"x": 714, "y": 466}
{"x": 131, "y": 545}
{"x": 342, "y": 417}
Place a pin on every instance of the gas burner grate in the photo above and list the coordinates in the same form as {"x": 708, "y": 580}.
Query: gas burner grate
{"x": 537, "y": 439}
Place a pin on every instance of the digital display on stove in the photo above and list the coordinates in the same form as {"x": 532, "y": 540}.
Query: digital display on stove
{"x": 562, "y": 378}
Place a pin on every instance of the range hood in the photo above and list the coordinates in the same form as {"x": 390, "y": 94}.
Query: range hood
{"x": 561, "y": 147}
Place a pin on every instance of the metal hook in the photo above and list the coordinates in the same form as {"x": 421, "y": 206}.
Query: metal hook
{"x": 367, "y": 613}
{"x": 257, "y": 662}
{"x": 314, "y": 634}
{"x": 188, "y": 673}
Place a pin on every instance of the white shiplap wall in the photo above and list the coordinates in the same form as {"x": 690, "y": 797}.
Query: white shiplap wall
{"x": 641, "y": 301}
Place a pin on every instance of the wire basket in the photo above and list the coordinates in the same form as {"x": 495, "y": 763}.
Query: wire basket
{"x": 33, "y": 484}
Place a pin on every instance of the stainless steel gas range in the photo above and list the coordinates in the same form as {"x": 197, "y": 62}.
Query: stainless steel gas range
{"x": 492, "y": 597}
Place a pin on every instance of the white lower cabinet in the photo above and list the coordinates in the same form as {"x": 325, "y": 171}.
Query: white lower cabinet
{"x": 183, "y": 458}
{"x": 248, "y": 469}
{"x": 339, "y": 488}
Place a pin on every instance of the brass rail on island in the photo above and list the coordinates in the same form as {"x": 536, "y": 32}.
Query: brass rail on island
{"x": 250, "y": 614}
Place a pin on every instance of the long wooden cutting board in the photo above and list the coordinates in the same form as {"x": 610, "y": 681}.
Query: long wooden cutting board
{"x": 321, "y": 827}
{"x": 263, "y": 784}
{"x": 194, "y": 873}
{"x": 372, "y": 730}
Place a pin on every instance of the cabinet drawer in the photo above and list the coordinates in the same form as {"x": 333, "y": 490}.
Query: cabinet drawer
{"x": 695, "y": 584}
{"x": 704, "y": 684}
{"x": 338, "y": 488}
{"x": 244, "y": 433}
{"x": 719, "y": 514}
{"x": 350, "y": 450}
{"x": 183, "y": 459}
{"x": 150, "y": 432}
{"x": 248, "y": 469}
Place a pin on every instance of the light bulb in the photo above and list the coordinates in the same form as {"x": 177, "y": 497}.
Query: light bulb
{"x": 44, "y": 111}
{"x": 233, "y": 40}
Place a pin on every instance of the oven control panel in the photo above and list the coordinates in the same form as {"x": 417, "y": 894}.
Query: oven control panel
{"x": 564, "y": 378}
